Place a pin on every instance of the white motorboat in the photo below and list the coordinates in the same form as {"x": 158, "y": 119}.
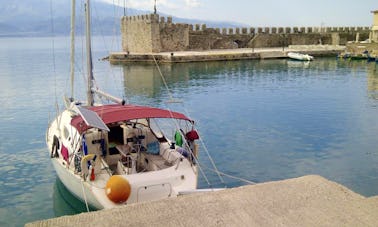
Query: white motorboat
{"x": 300, "y": 57}
{"x": 116, "y": 154}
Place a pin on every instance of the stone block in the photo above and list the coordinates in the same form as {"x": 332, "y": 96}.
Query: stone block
{"x": 155, "y": 18}
{"x": 260, "y": 30}
{"x": 197, "y": 27}
{"x": 280, "y": 30}
{"x": 169, "y": 20}
{"x": 252, "y": 30}
{"x": 224, "y": 31}
{"x": 230, "y": 31}
{"x": 237, "y": 31}
{"x": 267, "y": 30}
{"x": 288, "y": 30}
{"x": 274, "y": 30}
{"x": 203, "y": 27}
{"x": 244, "y": 31}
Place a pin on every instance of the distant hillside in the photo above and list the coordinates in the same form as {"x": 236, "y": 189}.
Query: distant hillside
{"x": 33, "y": 18}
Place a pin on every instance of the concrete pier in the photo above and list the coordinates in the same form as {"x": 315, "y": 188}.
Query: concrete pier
{"x": 305, "y": 201}
{"x": 225, "y": 54}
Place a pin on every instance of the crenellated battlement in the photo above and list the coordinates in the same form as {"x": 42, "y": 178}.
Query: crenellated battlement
{"x": 141, "y": 18}
{"x": 150, "y": 18}
{"x": 152, "y": 33}
{"x": 277, "y": 30}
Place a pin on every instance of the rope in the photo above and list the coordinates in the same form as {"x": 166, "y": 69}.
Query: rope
{"x": 229, "y": 176}
{"x": 162, "y": 77}
{"x": 53, "y": 52}
{"x": 177, "y": 127}
{"x": 85, "y": 197}
{"x": 210, "y": 158}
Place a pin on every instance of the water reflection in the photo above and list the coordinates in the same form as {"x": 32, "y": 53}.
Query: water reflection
{"x": 372, "y": 80}
{"x": 65, "y": 203}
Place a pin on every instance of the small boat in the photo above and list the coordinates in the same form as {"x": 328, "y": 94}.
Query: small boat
{"x": 300, "y": 57}
{"x": 109, "y": 155}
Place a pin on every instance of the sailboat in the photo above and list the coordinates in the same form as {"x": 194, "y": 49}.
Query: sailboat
{"x": 117, "y": 154}
{"x": 299, "y": 56}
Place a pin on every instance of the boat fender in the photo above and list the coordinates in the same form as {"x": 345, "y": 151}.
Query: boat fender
{"x": 192, "y": 135}
{"x": 118, "y": 189}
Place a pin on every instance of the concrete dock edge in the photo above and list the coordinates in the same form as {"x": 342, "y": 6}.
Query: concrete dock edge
{"x": 305, "y": 201}
{"x": 224, "y": 55}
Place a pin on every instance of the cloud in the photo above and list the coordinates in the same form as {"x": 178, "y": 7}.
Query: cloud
{"x": 137, "y": 4}
{"x": 192, "y": 3}
{"x": 161, "y": 4}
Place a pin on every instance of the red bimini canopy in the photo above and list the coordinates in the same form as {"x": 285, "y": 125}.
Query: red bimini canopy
{"x": 116, "y": 113}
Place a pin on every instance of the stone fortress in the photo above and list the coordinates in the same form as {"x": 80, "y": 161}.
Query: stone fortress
{"x": 153, "y": 34}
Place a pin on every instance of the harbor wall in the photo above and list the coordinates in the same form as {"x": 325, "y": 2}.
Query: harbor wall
{"x": 151, "y": 33}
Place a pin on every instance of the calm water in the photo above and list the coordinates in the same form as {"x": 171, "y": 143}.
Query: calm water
{"x": 260, "y": 120}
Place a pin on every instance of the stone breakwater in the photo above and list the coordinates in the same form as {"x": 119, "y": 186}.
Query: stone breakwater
{"x": 153, "y": 34}
{"x": 224, "y": 54}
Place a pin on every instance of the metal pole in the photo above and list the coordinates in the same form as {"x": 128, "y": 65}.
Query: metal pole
{"x": 72, "y": 57}
{"x": 124, "y": 7}
{"x": 89, "y": 55}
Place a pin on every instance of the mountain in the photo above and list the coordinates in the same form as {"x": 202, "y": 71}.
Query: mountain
{"x": 47, "y": 17}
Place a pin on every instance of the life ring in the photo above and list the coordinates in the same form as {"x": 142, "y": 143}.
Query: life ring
{"x": 87, "y": 162}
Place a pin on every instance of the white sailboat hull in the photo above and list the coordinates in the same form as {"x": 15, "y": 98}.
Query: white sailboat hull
{"x": 145, "y": 189}
{"x": 74, "y": 184}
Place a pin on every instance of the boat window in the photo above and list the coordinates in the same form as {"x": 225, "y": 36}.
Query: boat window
{"x": 66, "y": 133}
{"x": 167, "y": 127}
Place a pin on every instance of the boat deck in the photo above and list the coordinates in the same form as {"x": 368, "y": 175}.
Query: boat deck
{"x": 305, "y": 201}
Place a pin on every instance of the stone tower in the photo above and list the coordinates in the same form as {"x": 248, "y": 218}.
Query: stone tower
{"x": 140, "y": 33}
{"x": 374, "y": 28}
{"x": 149, "y": 34}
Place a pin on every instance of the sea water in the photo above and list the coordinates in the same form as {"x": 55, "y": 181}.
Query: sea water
{"x": 259, "y": 120}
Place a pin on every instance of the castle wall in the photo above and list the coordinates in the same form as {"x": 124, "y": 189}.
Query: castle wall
{"x": 149, "y": 33}
{"x": 173, "y": 37}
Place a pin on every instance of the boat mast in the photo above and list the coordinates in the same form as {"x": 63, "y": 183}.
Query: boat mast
{"x": 72, "y": 57}
{"x": 90, "y": 89}
{"x": 90, "y": 100}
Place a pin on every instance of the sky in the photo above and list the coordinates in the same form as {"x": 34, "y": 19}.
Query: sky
{"x": 266, "y": 12}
